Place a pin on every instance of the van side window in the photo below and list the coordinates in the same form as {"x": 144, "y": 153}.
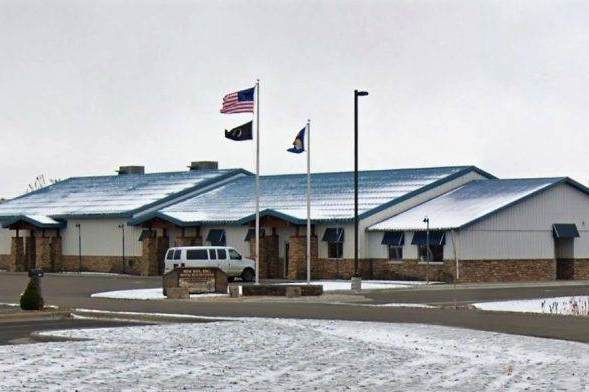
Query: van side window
{"x": 170, "y": 254}
{"x": 212, "y": 254}
{"x": 177, "y": 254}
{"x": 233, "y": 255}
{"x": 222, "y": 253}
{"x": 197, "y": 254}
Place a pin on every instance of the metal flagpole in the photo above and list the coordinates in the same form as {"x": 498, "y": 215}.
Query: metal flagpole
{"x": 308, "y": 201}
{"x": 258, "y": 181}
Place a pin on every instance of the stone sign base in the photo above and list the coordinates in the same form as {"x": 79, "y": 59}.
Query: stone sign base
{"x": 196, "y": 280}
{"x": 280, "y": 290}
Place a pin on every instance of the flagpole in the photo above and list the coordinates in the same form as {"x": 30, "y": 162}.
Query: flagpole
{"x": 258, "y": 181}
{"x": 308, "y": 201}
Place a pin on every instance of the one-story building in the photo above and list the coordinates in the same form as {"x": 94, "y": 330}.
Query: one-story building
{"x": 79, "y": 223}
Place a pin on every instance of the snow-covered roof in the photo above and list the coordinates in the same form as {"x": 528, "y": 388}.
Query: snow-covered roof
{"x": 40, "y": 221}
{"x": 111, "y": 195}
{"x": 466, "y": 204}
{"x": 284, "y": 196}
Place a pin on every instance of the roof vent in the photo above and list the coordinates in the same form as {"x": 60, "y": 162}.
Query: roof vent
{"x": 131, "y": 170}
{"x": 204, "y": 165}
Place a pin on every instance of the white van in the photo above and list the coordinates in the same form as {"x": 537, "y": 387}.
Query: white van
{"x": 223, "y": 257}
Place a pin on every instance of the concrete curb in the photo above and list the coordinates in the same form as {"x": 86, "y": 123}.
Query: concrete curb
{"x": 41, "y": 338}
{"x": 141, "y": 317}
{"x": 34, "y": 315}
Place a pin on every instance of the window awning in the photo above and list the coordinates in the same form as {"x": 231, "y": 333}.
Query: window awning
{"x": 216, "y": 236}
{"x": 147, "y": 234}
{"x": 251, "y": 234}
{"x": 393, "y": 238}
{"x": 333, "y": 235}
{"x": 435, "y": 238}
{"x": 565, "y": 230}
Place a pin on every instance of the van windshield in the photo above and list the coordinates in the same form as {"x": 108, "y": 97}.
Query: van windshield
{"x": 233, "y": 255}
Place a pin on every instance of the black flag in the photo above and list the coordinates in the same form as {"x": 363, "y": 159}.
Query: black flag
{"x": 242, "y": 132}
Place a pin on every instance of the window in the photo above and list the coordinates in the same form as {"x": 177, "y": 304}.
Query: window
{"x": 197, "y": 254}
{"x": 216, "y": 237}
{"x": 335, "y": 242}
{"x": 437, "y": 252}
{"x": 170, "y": 254}
{"x": 233, "y": 255}
{"x": 177, "y": 254}
{"x": 335, "y": 250}
{"x": 222, "y": 253}
{"x": 251, "y": 234}
{"x": 395, "y": 252}
{"x": 212, "y": 254}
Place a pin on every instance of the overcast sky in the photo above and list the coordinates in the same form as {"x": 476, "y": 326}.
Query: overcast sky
{"x": 86, "y": 86}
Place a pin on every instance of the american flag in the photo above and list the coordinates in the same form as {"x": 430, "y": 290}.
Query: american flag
{"x": 239, "y": 102}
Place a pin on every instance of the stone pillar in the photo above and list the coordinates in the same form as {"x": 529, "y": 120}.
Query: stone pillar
{"x": 188, "y": 241}
{"x": 152, "y": 256}
{"x": 297, "y": 256}
{"x": 17, "y": 254}
{"x": 30, "y": 252}
{"x": 270, "y": 265}
{"x": 48, "y": 253}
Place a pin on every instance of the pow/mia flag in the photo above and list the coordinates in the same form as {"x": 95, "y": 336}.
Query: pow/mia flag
{"x": 298, "y": 146}
{"x": 242, "y": 132}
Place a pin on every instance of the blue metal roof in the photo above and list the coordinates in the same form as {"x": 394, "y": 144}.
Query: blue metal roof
{"x": 117, "y": 195}
{"x": 284, "y": 196}
{"x": 470, "y": 203}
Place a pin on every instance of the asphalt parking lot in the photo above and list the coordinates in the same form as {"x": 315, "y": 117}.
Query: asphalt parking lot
{"x": 73, "y": 291}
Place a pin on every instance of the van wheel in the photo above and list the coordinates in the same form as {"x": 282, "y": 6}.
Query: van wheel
{"x": 248, "y": 275}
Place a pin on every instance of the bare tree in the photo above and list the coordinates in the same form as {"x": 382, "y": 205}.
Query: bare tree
{"x": 40, "y": 183}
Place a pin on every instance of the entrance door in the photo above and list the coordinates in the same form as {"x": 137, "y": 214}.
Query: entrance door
{"x": 564, "y": 254}
{"x": 286, "y": 258}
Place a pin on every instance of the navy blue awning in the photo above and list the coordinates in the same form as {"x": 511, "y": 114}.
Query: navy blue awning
{"x": 565, "y": 230}
{"x": 333, "y": 235}
{"x": 393, "y": 238}
{"x": 216, "y": 237}
{"x": 435, "y": 238}
{"x": 251, "y": 234}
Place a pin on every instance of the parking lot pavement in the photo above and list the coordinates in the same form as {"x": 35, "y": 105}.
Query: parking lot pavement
{"x": 70, "y": 291}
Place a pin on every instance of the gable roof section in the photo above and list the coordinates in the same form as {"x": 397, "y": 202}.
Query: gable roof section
{"x": 470, "y": 203}
{"x": 284, "y": 196}
{"x": 111, "y": 196}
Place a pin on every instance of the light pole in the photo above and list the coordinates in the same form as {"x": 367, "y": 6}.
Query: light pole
{"x": 356, "y": 280}
{"x": 79, "y": 247}
{"x": 122, "y": 227}
{"x": 426, "y": 221}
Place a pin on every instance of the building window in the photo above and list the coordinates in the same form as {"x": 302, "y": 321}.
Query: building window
{"x": 335, "y": 242}
{"x": 335, "y": 250}
{"x": 437, "y": 252}
{"x": 216, "y": 237}
{"x": 395, "y": 252}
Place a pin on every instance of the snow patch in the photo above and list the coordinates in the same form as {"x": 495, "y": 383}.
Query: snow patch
{"x": 278, "y": 355}
{"x": 574, "y": 306}
{"x": 336, "y": 285}
{"x": 147, "y": 294}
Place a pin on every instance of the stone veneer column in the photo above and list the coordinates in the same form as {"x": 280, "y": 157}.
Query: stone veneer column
{"x": 270, "y": 266}
{"x": 17, "y": 254}
{"x": 152, "y": 256}
{"x": 297, "y": 256}
{"x": 29, "y": 253}
{"x": 48, "y": 253}
{"x": 188, "y": 241}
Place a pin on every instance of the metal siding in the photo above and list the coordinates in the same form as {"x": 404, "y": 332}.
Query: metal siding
{"x": 524, "y": 231}
{"x": 5, "y": 235}
{"x": 404, "y": 206}
{"x": 101, "y": 237}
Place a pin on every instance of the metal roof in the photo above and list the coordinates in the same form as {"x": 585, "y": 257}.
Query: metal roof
{"x": 468, "y": 204}
{"x": 284, "y": 196}
{"x": 111, "y": 195}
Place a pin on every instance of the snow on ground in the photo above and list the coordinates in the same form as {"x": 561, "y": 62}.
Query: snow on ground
{"x": 146, "y": 294}
{"x": 576, "y": 306}
{"x": 276, "y": 355}
{"x": 334, "y": 285}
